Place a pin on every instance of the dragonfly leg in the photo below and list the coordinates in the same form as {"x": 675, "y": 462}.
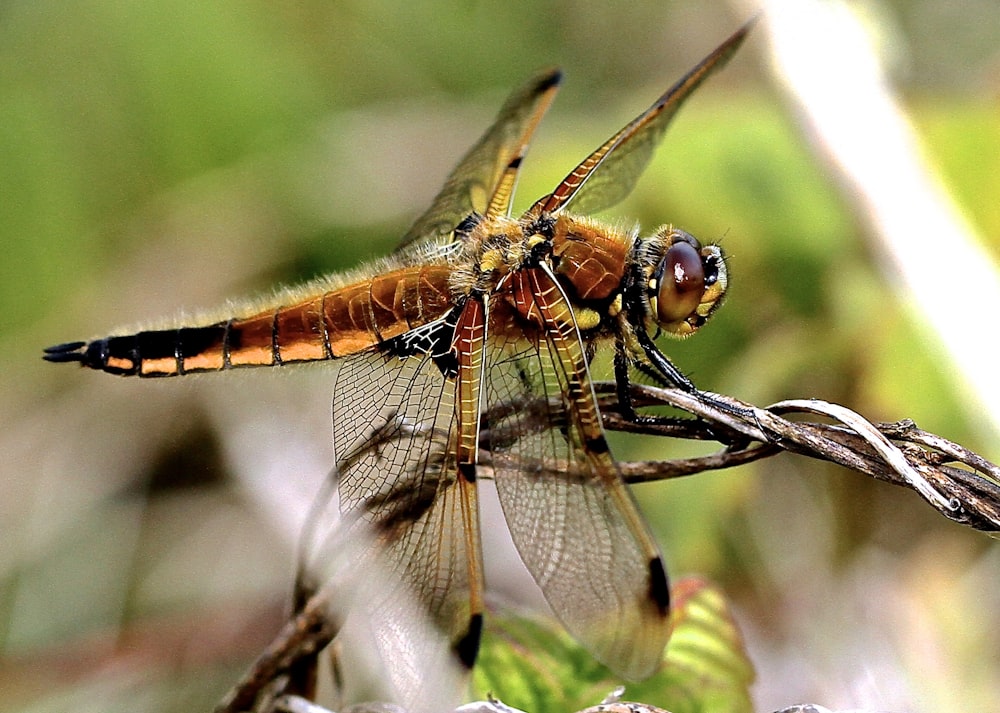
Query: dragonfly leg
{"x": 624, "y": 388}
{"x": 664, "y": 373}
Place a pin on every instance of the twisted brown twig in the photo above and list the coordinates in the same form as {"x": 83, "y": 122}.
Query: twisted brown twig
{"x": 958, "y": 483}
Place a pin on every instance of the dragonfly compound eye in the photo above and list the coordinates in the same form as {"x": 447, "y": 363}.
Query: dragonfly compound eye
{"x": 681, "y": 284}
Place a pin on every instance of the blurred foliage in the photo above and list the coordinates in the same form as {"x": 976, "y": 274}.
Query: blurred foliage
{"x": 535, "y": 666}
{"x": 165, "y": 156}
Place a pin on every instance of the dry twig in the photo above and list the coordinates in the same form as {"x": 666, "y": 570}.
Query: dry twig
{"x": 958, "y": 483}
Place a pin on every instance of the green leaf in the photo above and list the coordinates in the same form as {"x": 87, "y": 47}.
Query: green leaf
{"x": 536, "y": 666}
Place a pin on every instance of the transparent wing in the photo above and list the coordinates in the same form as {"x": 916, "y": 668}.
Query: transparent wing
{"x": 573, "y": 520}
{"x": 612, "y": 170}
{"x": 396, "y": 487}
{"x": 473, "y": 183}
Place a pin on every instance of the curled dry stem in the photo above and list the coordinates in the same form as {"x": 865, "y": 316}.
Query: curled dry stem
{"x": 960, "y": 484}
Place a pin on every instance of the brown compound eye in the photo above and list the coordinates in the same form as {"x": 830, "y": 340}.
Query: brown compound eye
{"x": 681, "y": 286}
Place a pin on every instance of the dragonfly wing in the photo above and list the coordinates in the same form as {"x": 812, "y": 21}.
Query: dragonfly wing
{"x": 573, "y": 520}
{"x": 486, "y": 168}
{"x": 610, "y": 173}
{"x": 396, "y": 486}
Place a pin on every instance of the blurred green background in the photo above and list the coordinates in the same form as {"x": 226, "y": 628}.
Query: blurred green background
{"x": 159, "y": 158}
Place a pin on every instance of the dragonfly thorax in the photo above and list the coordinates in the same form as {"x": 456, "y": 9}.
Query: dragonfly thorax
{"x": 667, "y": 281}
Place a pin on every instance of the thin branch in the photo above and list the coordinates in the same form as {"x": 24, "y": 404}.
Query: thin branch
{"x": 960, "y": 484}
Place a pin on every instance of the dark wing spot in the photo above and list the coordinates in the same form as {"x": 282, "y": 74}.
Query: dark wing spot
{"x": 467, "y": 647}
{"x": 659, "y": 589}
{"x": 598, "y": 445}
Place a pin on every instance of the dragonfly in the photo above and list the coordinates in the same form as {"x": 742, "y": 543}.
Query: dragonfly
{"x": 474, "y": 337}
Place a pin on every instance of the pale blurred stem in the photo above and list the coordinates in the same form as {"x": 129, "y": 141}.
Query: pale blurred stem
{"x": 825, "y": 60}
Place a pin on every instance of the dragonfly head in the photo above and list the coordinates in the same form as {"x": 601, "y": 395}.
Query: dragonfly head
{"x": 685, "y": 281}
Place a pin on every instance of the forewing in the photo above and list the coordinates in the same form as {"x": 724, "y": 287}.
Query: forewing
{"x": 573, "y": 520}
{"x": 612, "y": 170}
{"x": 473, "y": 183}
{"x": 396, "y": 486}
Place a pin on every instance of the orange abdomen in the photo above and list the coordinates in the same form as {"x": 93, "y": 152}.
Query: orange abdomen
{"x": 334, "y": 324}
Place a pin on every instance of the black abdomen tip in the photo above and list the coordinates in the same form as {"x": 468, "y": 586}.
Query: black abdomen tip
{"x": 98, "y": 355}
{"x": 70, "y": 351}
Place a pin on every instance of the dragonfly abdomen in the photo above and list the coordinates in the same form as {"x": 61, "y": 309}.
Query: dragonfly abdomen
{"x": 334, "y": 324}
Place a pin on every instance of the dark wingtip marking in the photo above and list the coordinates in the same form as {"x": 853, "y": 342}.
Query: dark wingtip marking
{"x": 70, "y": 351}
{"x": 659, "y": 588}
{"x": 552, "y": 79}
{"x": 467, "y": 471}
{"x": 598, "y": 445}
{"x": 467, "y": 648}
